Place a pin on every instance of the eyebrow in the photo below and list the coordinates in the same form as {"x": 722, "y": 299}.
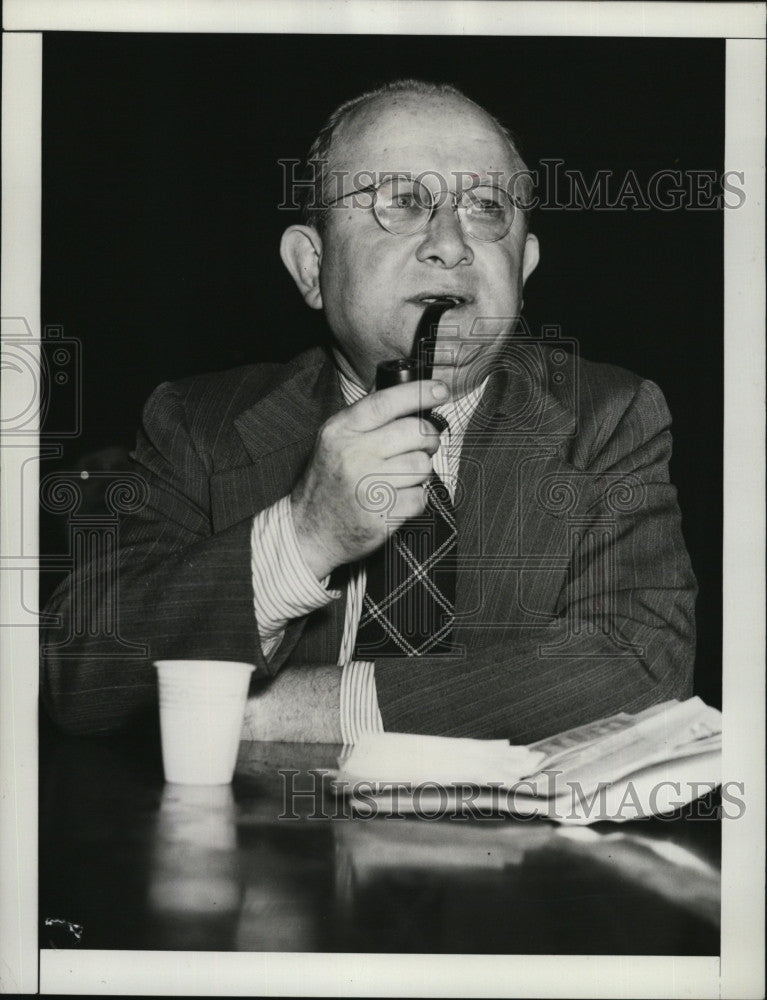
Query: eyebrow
{"x": 494, "y": 177}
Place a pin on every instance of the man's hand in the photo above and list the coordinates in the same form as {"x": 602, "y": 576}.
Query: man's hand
{"x": 366, "y": 475}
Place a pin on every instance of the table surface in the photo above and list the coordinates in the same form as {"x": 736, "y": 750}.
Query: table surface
{"x": 138, "y": 864}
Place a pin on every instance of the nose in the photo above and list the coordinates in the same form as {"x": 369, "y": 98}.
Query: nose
{"x": 444, "y": 242}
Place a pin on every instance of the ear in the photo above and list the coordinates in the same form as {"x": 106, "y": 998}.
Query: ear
{"x": 301, "y": 252}
{"x": 530, "y": 256}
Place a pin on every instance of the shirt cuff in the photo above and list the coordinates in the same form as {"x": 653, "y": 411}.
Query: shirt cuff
{"x": 284, "y": 587}
{"x": 359, "y": 701}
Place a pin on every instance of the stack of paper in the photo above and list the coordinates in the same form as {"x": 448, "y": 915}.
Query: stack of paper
{"x": 413, "y": 759}
{"x": 620, "y": 768}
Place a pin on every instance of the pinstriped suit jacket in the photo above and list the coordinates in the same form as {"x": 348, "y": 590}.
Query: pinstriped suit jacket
{"x": 575, "y": 596}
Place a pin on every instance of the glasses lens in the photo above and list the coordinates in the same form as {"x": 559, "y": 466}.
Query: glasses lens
{"x": 402, "y": 206}
{"x": 486, "y": 213}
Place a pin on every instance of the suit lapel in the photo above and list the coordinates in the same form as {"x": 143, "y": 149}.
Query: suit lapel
{"x": 278, "y": 433}
{"x": 293, "y": 411}
{"x": 518, "y": 425}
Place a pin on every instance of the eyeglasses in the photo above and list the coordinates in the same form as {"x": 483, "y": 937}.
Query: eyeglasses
{"x": 404, "y": 206}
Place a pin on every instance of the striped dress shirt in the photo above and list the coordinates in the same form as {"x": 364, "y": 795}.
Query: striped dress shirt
{"x": 284, "y": 587}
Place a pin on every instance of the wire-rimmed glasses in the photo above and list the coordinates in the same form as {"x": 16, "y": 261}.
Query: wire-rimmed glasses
{"x": 404, "y": 205}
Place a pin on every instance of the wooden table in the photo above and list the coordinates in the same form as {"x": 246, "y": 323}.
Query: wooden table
{"x": 137, "y": 864}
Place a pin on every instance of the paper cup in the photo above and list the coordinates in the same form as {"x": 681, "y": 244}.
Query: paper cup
{"x": 202, "y": 704}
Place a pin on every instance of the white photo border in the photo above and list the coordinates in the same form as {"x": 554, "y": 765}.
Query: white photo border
{"x": 739, "y": 973}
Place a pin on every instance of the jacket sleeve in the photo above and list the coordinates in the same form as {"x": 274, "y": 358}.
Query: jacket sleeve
{"x": 178, "y": 590}
{"x": 622, "y": 640}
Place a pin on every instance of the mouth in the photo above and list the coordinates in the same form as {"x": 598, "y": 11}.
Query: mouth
{"x": 457, "y": 298}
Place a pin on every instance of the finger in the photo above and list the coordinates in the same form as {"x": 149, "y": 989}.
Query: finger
{"x": 405, "y": 435}
{"x": 412, "y": 469}
{"x": 381, "y": 407}
{"x": 392, "y": 477}
{"x": 410, "y": 502}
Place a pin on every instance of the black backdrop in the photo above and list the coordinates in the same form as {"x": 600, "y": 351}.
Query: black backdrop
{"x": 161, "y": 232}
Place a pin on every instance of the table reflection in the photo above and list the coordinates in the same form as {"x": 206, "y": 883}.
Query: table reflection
{"x": 554, "y": 876}
{"x": 366, "y": 850}
{"x": 194, "y": 888}
{"x": 140, "y": 864}
{"x": 677, "y": 874}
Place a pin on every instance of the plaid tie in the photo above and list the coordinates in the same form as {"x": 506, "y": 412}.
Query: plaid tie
{"x": 408, "y": 608}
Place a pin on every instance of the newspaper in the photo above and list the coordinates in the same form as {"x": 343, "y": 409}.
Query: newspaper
{"x": 623, "y": 744}
{"x": 618, "y": 768}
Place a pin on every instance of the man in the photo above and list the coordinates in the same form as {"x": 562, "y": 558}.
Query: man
{"x": 571, "y": 595}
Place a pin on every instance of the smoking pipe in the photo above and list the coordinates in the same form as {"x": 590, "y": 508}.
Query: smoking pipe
{"x": 421, "y": 361}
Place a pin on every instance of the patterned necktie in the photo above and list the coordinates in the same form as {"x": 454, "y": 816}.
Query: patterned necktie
{"x": 409, "y": 603}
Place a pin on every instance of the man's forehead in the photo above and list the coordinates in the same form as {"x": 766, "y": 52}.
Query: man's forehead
{"x": 413, "y": 132}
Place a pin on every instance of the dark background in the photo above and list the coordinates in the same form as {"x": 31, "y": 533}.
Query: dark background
{"x": 161, "y": 234}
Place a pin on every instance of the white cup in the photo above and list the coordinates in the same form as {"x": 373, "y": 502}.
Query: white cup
{"x": 202, "y": 704}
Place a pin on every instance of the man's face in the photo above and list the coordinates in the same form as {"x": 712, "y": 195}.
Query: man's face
{"x": 374, "y": 285}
